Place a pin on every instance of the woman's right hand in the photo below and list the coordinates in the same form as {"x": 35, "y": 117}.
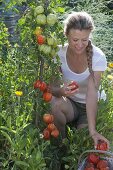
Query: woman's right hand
{"x": 96, "y": 137}
{"x": 66, "y": 90}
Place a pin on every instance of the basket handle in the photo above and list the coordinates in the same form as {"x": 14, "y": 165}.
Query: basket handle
{"x": 94, "y": 151}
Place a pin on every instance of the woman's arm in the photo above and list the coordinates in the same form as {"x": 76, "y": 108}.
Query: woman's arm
{"x": 55, "y": 84}
{"x": 59, "y": 89}
{"x": 92, "y": 99}
{"x": 92, "y": 105}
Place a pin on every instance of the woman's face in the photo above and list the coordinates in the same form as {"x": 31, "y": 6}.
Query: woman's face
{"x": 78, "y": 40}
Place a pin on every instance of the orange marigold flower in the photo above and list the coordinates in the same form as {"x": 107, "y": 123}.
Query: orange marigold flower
{"x": 19, "y": 93}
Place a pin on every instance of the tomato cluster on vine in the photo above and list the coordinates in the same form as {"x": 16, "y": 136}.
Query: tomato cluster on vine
{"x": 51, "y": 129}
{"x": 42, "y": 86}
{"x": 46, "y": 39}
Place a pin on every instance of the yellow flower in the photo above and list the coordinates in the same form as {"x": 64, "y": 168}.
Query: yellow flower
{"x": 110, "y": 77}
{"x": 108, "y": 69}
{"x": 110, "y": 65}
{"x": 19, "y": 93}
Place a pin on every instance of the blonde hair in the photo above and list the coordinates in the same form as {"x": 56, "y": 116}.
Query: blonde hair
{"x": 81, "y": 21}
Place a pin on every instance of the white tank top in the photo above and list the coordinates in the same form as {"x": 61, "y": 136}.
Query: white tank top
{"x": 99, "y": 63}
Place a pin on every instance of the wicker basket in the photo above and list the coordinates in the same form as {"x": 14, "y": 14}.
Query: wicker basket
{"x": 105, "y": 154}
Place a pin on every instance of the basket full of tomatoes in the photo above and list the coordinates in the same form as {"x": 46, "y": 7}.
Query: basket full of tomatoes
{"x": 98, "y": 159}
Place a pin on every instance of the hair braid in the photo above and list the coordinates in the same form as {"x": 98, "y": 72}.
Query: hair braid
{"x": 89, "y": 51}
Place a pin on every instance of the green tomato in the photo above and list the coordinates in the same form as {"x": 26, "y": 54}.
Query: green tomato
{"x": 41, "y": 19}
{"x": 38, "y": 10}
{"x": 55, "y": 43}
{"x": 46, "y": 49}
{"x": 50, "y": 40}
{"x": 53, "y": 52}
{"x": 51, "y": 19}
{"x": 57, "y": 49}
{"x": 38, "y": 31}
{"x": 41, "y": 47}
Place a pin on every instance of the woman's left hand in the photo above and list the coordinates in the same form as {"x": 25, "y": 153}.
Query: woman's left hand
{"x": 70, "y": 89}
{"x": 97, "y": 136}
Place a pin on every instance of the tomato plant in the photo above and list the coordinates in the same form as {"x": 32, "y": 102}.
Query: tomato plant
{"x": 22, "y": 145}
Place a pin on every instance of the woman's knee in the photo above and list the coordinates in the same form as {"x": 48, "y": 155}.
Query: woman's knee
{"x": 62, "y": 110}
{"x": 56, "y": 104}
{"x": 56, "y": 107}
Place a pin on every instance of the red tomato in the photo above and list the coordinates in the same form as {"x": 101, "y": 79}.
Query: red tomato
{"x": 107, "y": 168}
{"x": 51, "y": 127}
{"x": 48, "y": 118}
{"x": 55, "y": 133}
{"x": 89, "y": 168}
{"x": 89, "y": 164}
{"x": 93, "y": 158}
{"x": 43, "y": 86}
{"x": 102, "y": 145}
{"x": 102, "y": 164}
{"x": 46, "y": 134}
{"x": 40, "y": 39}
{"x": 73, "y": 83}
{"x": 37, "y": 84}
{"x": 47, "y": 96}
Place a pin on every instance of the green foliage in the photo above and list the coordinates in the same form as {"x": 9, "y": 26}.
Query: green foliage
{"x": 21, "y": 143}
{"x": 3, "y": 34}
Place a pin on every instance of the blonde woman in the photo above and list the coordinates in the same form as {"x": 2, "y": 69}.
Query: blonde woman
{"x": 84, "y": 63}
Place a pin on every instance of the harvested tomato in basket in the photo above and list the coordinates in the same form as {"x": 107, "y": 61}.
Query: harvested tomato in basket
{"x": 89, "y": 168}
{"x": 107, "y": 168}
{"x": 102, "y": 145}
{"x": 93, "y": 158}
{"x": 102, "y": 164}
